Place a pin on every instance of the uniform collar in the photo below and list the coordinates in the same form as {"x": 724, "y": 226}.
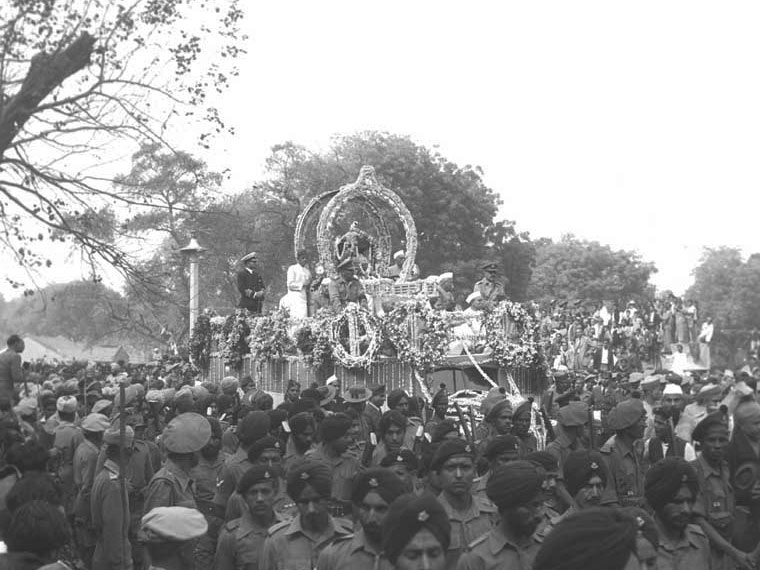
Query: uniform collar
{"x": 689, "y": 539}
{"x": 111, "y": 466}
{"x": 295, "y": 528}
{"x": 174, "y": 469}
{"x": 471, "y": 513}
{"x": 248, "y": 525}
{"x": 498, "y": 540}
{"x": 359, "y": 542}
{"x": 709, "y": 469}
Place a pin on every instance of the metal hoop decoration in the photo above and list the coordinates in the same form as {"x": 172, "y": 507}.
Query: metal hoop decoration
{"x": 367, "y": 189}
{"x": 306, "y": 218}
{"x": 353, "y": 316}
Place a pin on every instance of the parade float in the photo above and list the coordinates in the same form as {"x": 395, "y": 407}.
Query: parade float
{"x": 395, "y": 336}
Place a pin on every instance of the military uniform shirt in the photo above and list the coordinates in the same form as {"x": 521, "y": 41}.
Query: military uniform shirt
{"x": 289, "y": 547}
{"x": 232, "y": 471}
{"x": 241, "y": 543}
{"x": 170, "y": 487}
{"x": 692, "y": 552}
{"x": 495, "y": 551}
{"x": 109, "y": 520}
{"x": 351, "y": 552}
{"x": 343, "y": 469}
{"x": 467, "y": 526}
{"x": 626, "y": 473}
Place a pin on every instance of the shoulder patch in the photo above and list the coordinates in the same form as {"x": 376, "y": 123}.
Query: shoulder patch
{"x": 232, "y": 525}
{"x": 277, "y": 527}
{"x": 479, "y": 540}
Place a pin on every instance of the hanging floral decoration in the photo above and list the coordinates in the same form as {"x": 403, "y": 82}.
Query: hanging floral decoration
{"x": 269, "y": 338}
{"x": 512, "y": 332}
{"x": 313, "y": 340}
{"x": 419, "y": 334}
{"x": 355, "y": 337}
{"x": 200, "y": 342}
{"x": 234, "y": 344}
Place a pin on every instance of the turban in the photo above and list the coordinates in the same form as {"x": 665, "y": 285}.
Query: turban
{"x": 256, "y": 474}
{"x": 580, "y": 466}
{"x": 172, "y": 524}
{"x": 593, "y": 539}
{"x": 450, "y": 448}
{"x": 544, "y": 459}
{"x": 502, "y": 444}
{"x": 277, "y": 416}
{"x": 95, "y": 423}
{"x": 186, "y": 433}
{"x": 407, "y": 516}
{"x": 316, "y": 474}
{"x": 263, "y": 444}
{"x": 515, "y": 484}
{"x": 665, "y": 478}
{"x": 253, "y": 426}
{"x": 626, "y": 414}
{"x": 311, "y": 394}
{"x": 574, "y": 414}
{"x": 335, "y": 426}
{"x": 403, "y": 457}
{"x": 66, "y": 404}
{"x": 26, "y": 407}
{"x": 441, "y": 429}
{"x": 523, "y": 408}
{"x": 717, "y": 418}
{"x": 497, "y": 409}
{"x": 382, "y": 481}
{"x": 299, "y": 422}
{"x": 395, "y": 397}
{"x": 303, "y": 404}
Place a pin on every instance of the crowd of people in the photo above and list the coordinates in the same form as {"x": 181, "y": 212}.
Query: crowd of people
{"x": 147, "y": 467}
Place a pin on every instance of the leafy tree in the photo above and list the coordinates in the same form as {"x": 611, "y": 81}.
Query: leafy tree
{"x": 78, "y": 80}
{"x": 575, "y": 269}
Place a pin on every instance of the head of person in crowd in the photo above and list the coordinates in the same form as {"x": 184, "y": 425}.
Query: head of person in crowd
{"x": 671, "y": 489}
{"x": 416, "y": 533}
{"x": 497, "y": 411}
{"x": 440, "y": 403}
{"x": 572, "y": 420}
{"x": 445, "y": 429}
{"x": 354, "y": 433}
{"x": 662, "y": 424}
{"x": 259, "y": 486}
{"x": 392, "y": 429}
{"x": 111, "y": 438}
{"x": 398, "y": 399}
{"x": 36, "y": 534}
{"x": 302, "y": 431}
{"x": 501, "y": 450}
{"x": 521, "y": 417}
{"x": 253, "y": 426}
{"x": 334, "y": 431}
{"x": 48, "y": 403}
{"x": 169, "y": 534}
{"x": 713, "y": 436}
{"x": 405, "y": 465}
{"x": 309, "y": 484}
{"x": 673, "y": 400}
{"x": 747, "y": 420}
{"x": 28, "y": 456}
{"x": 267, "y": 451}
{"x": 373, "y": 492}
{"x": 600, "y": 539}
{"x": 586, "y": 477}
{"x": 551, "y": 470}
{"x": 184, "y": 437}
{"x": 34, "y": 486}
{"x": 476, "y": 301}
{"x": 709, "y": 396}
{"x": 628, "y": 419}
{"x": 67, "y": 408}
{"x": 15, "y": 344}
{"x": 276, "y": 417}
{"x": 356, "y": 397}
{"x": 517, "y": 491}
{"x": 454, "y": 465}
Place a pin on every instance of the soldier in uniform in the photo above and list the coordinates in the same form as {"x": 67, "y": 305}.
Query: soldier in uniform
{"x": 490, "y": 287}
{"x": 302, "y": 433}
{"x": 521, "y": 418}
{"x": 391, "y": 432}
{"x": 172, "y": 485}
{"x": 372, "y": 411}
{"x": 346, "y": 288}
{"x": 405, "y": 465}
{"x": 250, "y": 285}
{"x": 241, "y": 540}
{"x": 470, "y": 517}
{"x": 67, "y": 437}
{"x": 416, "y": 533}
{"x": 169, "y": 535}
{"x": 621, "y": 452}
{"x": 517, "y": 491}
{"x": 671, "y": 490}
{"x": 571, "y": 422}
{"x": 374, "y": 491}
{"x": 500, "y": 450}
{"x": 297, "y": 544}
{"x": 586, "y": 479}
{"x": 107, "y": 513}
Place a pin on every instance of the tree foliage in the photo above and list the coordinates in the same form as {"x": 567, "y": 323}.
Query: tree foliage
{"x": 576, "y": 269}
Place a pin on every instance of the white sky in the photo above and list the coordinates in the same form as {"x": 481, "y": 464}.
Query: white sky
{"x": 634, "y": 124}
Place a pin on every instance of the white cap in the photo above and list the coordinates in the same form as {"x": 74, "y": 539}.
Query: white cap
{"x": 444, "y": 276}
{"x": 472, "y": 296}
{"x": 672, "y": 390}
{"x": 399, "y": 253}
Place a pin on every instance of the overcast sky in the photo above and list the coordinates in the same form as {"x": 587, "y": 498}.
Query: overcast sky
{"x": 631, "y": 123}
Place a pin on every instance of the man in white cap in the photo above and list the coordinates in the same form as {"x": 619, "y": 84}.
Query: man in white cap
{"x": 707, "y": 400}
{"x": 67, "y": 437}
{"x": 169, "y": 535}
{"x": 250, "y": 284}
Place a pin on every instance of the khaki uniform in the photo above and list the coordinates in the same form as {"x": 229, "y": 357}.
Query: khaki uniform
{"x": 351, "y": 552}
{"x": 467, "y": 526}
{"x": 170, "y": 487}
{"x": 343, "y": 470}
{"x": 205, "y": 475}
{"x": 109, "y": 520}
{"x": 495, "y": 551}
{"x": 241, "y": 543}
{"x": 233, "y": 469}
{"x": 67, "y": 438}
{"x": 716, "y": 503}
{"x": 692, "y": 552}
{"x": 626, "y": 472}
{"x": 289, "y": 547}
{"x": 85, "y": 461}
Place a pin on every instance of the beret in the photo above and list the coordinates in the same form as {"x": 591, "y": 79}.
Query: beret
{"x": 580, "y": 466}
{"x": 263, "y": 444}
{"x": 450, "y": 448}
{"x": 665, "y": 478}
{"x": 544, "y": 459}
{"x": 335, "y": 426}
{"x": 494, "y": 396}
{"x": 95, "y": 422}
{"x": 253, "y": 426}
{"x": 709, "y": 390}
{"x": 186, "y": 433}
{"x": 395, "y": 397}
{"x": 310, "y": 472}
{"x": 498, "y": 408}
{"x": 717, "y": 418}
{"x": 403, "y": 457}
{"x": 574, "y": 414}
{"x": 502, "y": 444}
{"x": 626, "y": 414}
{"x": 409, "y": 514}
{"x": 172, "y": 524}
{"x": 111, "y": 436}
{"x": 523, "y": 408}
{"x": 515, "y": 483}
{"x": 381, "y": 480}
{"x": 442, "y": 428}
{"x": 257, "y": 474}
{"x": 100, "y": 405}
{"x": 66, "y": 404}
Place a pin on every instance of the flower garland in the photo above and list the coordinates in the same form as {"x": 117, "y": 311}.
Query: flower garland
{"x": 313, "y": 340}
{"x": 423, "y": 347}
{"x": 199, "y": 346}
{"x": 269, "y": 337}
{"x": 347, "y": 327}
{"x": 235, "y": 340}
{"x": 513, "y": 350}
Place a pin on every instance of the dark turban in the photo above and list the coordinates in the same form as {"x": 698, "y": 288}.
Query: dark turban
{"x": 448, "y": 449}
{"x": 580, "y": 466}
{"x": 303, "y": 404}
{"x": 316, "y": 474}
{"x": 404, "y": 457}
{"x": 544, "y": 459}
{"x": 253, "y": 426}
{"x": 502, "y": 444}
{"x": 407, "y": 516}
{"x": 311, "y": 394}
{"x": 665, "y": 478}
{"x": 277, "y": 416}
{"x": 335, "y": 426}
{"x": 261, "y": 445}
{"x": 299, "y": 422}
{"x": 515, "y": 484}
{"x": 497, "y": 409}
{"x": 382, "y": 481}
{"x": 395, "y": 397}
{"x": 257, "y": 474}
{"x": 441, "y": 429}
{"x": 592, "y": 539}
